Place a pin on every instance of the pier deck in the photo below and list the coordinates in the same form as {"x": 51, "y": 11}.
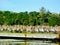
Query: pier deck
{"x": 31, "y": 35}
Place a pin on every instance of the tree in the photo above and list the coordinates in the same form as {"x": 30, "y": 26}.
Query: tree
{"x": 42, "y": 14}
{"x": 58, "y": 20}
{"x": 53, "y": 20}
{"x": 1, "y": 18}
{"x": 29, "y": 18}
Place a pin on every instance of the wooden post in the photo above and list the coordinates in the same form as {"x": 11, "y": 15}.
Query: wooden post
{"x": 57, "y": 43}
{"x": 25, "y": 34}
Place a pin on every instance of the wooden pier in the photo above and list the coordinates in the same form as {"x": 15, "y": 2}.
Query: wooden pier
{"x": 36, "y": 36}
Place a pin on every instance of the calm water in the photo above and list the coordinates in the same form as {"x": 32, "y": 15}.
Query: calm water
{"x": 25, "y": 42}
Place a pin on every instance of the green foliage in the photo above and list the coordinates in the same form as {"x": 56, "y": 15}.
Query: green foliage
{"x": 29, "y": 18}
{"x": 53, "y": 20}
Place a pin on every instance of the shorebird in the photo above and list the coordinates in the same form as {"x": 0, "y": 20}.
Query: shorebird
{"x": 41, "y": 30}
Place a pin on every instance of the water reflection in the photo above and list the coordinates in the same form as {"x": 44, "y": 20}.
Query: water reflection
{"x": 26, "y": 42}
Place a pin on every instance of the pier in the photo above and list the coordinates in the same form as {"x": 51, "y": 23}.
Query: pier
{"x": 35, "y": 36}
{"x": 31, "y": 33}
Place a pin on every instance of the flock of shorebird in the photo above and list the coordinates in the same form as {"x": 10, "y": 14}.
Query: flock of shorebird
{"x": 20, "y": 28}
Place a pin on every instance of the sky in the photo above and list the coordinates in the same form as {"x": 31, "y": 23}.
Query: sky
{"x": 29, "y": 5}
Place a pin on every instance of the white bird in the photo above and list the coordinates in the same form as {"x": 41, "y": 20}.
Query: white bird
{"x": 41, "y": 30}
{"x": 36, "y": 30}
{"x": 52, "y": 30}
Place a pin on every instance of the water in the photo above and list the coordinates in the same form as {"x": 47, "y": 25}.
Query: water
{"x": 25, "y": 42}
